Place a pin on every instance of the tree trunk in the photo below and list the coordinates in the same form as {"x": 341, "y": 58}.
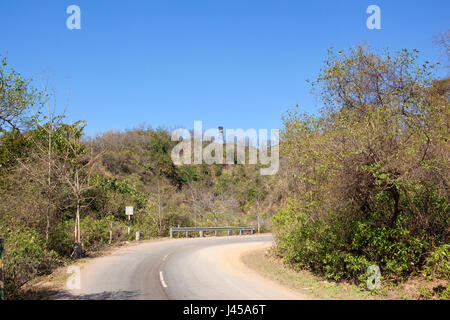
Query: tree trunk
{"x": 47, "y": 227}
{"x": 259, "y": 226}
{"x": 50, "y": 118}
{"x": 77, "y": 250}
{"x": 78, "y": 239}
{"x": 110, "y": 233}
{"x": 75, "y": 229}
{"x": 396, "y": 196}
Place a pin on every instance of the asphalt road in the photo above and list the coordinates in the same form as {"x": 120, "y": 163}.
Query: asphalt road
{"x": 194, "y": 268}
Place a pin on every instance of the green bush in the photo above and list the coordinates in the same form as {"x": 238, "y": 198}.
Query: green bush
{"x": 342, "y": 249}
{"x": 61, "y": 239}
{"x": 438, "y": 263}
{"x": 145, "y": 224}
{"x": 94, "y": 233}
{"x": 397, "y": 252}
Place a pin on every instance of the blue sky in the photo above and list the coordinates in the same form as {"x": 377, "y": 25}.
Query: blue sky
{"x": 235, "y": 63}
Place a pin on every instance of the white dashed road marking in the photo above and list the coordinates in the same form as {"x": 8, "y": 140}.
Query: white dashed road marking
{"x": 162, "y": 279}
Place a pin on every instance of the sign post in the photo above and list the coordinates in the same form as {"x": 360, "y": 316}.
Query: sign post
{"x": 2, "y": 288}
{"x": 129, "y": 213}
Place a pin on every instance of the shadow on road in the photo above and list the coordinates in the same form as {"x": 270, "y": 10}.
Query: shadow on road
{"x": 105, "y": 295}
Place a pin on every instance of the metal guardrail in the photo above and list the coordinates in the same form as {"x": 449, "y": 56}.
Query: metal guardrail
{"x": 201, "y": 230}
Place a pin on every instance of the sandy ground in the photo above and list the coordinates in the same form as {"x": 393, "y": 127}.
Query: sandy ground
{"x": 230, "y": 257}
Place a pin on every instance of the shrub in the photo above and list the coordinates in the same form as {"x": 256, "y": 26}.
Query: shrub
{"x": 437, "y": 264}
{"x": 369, "y": 174}
{"x": 95, "y": 232}
{"x": 25, "y": 258}
{"x": 61, "y": 239}
{"x": 341, "y": 249}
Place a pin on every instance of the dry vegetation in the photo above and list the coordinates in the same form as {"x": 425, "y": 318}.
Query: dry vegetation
{"x": 364, "y": 182}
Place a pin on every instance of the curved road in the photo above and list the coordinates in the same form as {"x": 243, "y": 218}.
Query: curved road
{"x": 194, "y": 268}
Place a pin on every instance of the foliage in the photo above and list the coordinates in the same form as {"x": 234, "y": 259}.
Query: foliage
{"x": 364, "y": 182}
{"x": 25, "y": 258}
{"x": 17, "y": 98}
{"x": 438, "y": 263}
{"x": 369, "y": 175}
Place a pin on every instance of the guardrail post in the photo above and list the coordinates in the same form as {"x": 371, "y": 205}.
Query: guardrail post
{"x": 201, "y": 233}
{"x": 240, "y": 232}
{"x": 2, "y": 293}
{"x": 171, "y": 233}
{"x": 187, "y": 234}
{"x": 228, "y": 232}
{"x": 215, "y": 233}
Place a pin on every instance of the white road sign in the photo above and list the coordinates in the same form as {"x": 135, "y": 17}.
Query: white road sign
{"x": 129, "y": 211}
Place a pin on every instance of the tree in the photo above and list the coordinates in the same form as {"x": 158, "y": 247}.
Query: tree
{"x": 39, "y": 160}
{"x": 258, "y": 195}
{"x": 75, "y": 165}
{"x": 370, "y": 172}
{"x": 378, "y": 112}
{"x": 443, "y": 40}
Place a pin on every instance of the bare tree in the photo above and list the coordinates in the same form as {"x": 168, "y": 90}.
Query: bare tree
{"x": 443, "y": 40}
{"x": 160, "y": 198}
{"x": 211, "y": 201}
{"x": 75, "y": 167}
{"x": 39, "y": 163}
